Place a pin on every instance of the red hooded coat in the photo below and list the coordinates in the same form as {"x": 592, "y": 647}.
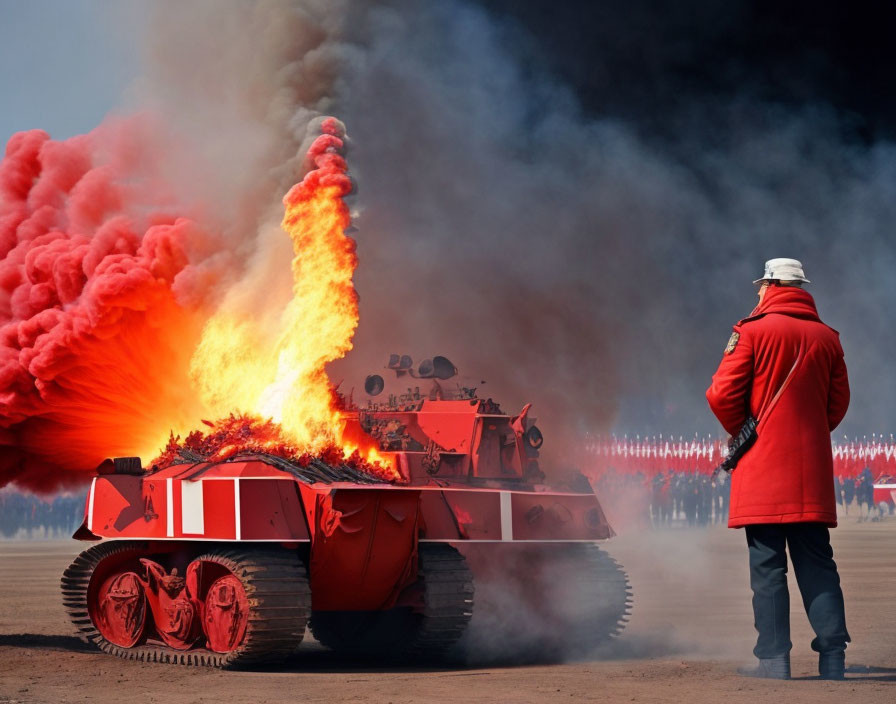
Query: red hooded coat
{"x": 787, "y": 476}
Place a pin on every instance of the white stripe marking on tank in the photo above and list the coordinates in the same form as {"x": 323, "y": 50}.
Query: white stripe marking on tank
{"x": 506, "y": 516}
{"x": 169, "y": 506}
{"x": 90, "y": 505}
{"x": 236, "y": 509}
{"x": 192, "y": 510}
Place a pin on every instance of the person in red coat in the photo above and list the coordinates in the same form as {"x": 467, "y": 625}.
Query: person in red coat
{"x": 785, "y": 368}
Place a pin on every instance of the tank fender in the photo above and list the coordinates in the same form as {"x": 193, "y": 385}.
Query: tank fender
{"x": 363, "y": 547}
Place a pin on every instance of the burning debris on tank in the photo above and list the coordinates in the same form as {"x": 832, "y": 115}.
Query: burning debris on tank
{"x": 240, "y": 438}
{"x": 393, "y": 405}
{"x": 316, "y": 471}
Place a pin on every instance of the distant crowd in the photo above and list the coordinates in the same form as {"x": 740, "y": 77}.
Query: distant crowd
{"x": 666, "y": 499}
{"x": 695, "y": 499}
{"x": 28, "y": 516}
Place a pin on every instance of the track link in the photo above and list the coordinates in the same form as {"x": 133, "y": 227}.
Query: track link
{"x": 275, "y": 582}
{"x": 448, "y": 589}
{"x": 607, "y": 590}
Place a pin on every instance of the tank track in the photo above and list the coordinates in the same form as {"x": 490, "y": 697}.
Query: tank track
{"x": 275, "y": 581}
{"x": 545, "y": 602}
{"x": 607, "y": 584}
{"x": 448, "y": 589}
{"x": 447, "y": 585}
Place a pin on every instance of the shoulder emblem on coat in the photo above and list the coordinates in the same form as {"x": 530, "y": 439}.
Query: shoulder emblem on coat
{"x": 732, "y": 342}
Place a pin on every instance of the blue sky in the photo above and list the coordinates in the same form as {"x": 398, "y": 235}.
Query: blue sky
{"x": 64, "y": 64}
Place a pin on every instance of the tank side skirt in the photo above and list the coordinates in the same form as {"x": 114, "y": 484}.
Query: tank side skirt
{"x": 205, "y": 510}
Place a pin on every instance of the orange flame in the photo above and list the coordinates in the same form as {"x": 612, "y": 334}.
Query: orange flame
{"x": 239, "y": 434}
{"x": 239, "y": 366}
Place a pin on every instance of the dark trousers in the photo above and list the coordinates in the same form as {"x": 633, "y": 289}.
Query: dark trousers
{"x": 810, "y": 550}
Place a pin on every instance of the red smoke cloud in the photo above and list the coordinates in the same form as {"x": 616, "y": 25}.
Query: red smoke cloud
{"x": 94, "y": 343}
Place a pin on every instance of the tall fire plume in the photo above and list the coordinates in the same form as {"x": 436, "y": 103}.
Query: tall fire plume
{"x": 286, "y": 381}
{"x": 106, "y": 341}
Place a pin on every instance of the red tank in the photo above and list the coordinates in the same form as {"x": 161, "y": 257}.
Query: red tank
{"x": 225, "y": 563}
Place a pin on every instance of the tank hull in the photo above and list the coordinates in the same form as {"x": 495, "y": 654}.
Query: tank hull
{"x": 363, "y": 538}
{"x": 371, "y": 567}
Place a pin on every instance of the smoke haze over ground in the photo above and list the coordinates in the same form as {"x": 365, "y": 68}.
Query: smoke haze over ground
{"x": 574, "y": 217}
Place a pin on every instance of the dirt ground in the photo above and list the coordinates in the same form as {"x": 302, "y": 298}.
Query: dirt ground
{"x": 690, "y": 629}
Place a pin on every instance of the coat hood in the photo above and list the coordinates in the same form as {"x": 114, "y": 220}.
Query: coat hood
{"x": 787, "y": 300}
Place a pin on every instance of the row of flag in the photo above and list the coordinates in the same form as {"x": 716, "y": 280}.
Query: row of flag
{"x": 654, "y": 454}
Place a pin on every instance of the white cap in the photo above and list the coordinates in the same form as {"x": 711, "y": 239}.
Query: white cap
{"x": 783, "y": 270}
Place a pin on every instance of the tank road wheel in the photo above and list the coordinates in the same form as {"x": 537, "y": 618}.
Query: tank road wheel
{"x": 428, "y": 631}
{"x": 119, "y": 608}
{"x": 102, "y": 593}
{"x": 254, "y": 604}
{"x": 226, "y": 614}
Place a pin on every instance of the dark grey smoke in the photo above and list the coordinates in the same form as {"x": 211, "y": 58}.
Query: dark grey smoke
{"x": 579, "y": 265}
{"x": 654, "y": 63}
{"x": 570, "y": 258}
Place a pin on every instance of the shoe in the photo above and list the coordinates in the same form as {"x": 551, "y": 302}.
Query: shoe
{"x": 832, "y": 665}
{"x": 777, "y": 668}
